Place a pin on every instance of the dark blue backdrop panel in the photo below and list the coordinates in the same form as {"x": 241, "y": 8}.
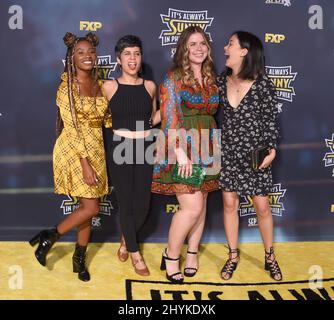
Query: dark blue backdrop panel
{"x": 299, "y": 60}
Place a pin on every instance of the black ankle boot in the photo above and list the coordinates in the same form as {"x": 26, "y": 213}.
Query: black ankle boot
{"x": 79, "y": 265}
{"x": 46, "y": 239}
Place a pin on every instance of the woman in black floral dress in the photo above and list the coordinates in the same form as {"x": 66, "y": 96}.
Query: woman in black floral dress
{"x": 249, "y": 121}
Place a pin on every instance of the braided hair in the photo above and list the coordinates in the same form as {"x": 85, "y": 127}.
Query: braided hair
{"x": 71, "y": 41}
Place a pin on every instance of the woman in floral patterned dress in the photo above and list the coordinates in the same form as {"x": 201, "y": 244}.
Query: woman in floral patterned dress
{"x": 249, "y": 121}
{"x": 189, "y": 99}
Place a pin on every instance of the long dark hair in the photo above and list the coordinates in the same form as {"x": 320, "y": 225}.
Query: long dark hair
{"x": 253, "y": 65}
{"x": 71, "y": 41}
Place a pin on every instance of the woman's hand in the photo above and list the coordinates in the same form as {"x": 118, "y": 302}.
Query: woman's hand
{"x": 156, "y": 119}
{"x": 89, "y": 176}
{"x": 185, "y": 165}
{"x": 268, "y": 159}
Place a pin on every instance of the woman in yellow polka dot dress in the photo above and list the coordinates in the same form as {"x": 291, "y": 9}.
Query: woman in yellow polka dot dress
{"x": 78, "y": 158}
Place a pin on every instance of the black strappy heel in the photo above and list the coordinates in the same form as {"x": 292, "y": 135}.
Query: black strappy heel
{"x": 190, "y": 274}
{"x": 272, "y": 265}
{"x": 230, "y": 266}
{"x": 163, "y": 267}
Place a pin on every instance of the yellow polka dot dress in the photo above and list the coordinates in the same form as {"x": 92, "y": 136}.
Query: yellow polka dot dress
{"x": 86, "y": 142}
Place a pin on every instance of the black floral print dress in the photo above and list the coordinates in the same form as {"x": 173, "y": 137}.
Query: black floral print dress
{"x": 252, "y": 124}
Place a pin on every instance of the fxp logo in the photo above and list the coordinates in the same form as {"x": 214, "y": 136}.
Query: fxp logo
{"x": 90, "y": 25}
{"x": 274, "y": 38}
{"x": 172, "y": 208}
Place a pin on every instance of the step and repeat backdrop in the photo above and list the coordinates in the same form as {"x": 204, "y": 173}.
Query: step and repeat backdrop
{"x": 298, "y": 38}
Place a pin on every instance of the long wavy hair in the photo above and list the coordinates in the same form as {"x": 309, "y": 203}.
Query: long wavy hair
{"x": 181, "y": 64}
{"x": 71, "y": 41}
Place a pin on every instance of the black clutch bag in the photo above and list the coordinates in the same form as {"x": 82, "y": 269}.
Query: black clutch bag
{"x": 196, "y": 179}
{"x": 257, "y": 157}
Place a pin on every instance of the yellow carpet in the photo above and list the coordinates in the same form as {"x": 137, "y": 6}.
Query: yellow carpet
{"x": 21, "y": 277}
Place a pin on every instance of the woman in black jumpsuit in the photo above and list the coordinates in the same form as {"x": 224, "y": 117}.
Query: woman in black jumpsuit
{"x": 132, "y": 103}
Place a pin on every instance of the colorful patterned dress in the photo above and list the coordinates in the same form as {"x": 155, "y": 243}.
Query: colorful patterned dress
{"x": 87, "y": 142}
{"x": 183, "y": 107}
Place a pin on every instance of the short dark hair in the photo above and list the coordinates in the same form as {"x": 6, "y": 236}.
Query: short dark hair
{"x": 128, "y": 41}
{"x": 254, "y": 62}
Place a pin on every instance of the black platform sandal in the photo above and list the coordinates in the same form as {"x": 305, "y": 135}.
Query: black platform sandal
{"x": 194, "y": 270}
{"x": 272, "y": 265}
{"x": 230, "y": 266}
{"x": 163, "y": 267}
